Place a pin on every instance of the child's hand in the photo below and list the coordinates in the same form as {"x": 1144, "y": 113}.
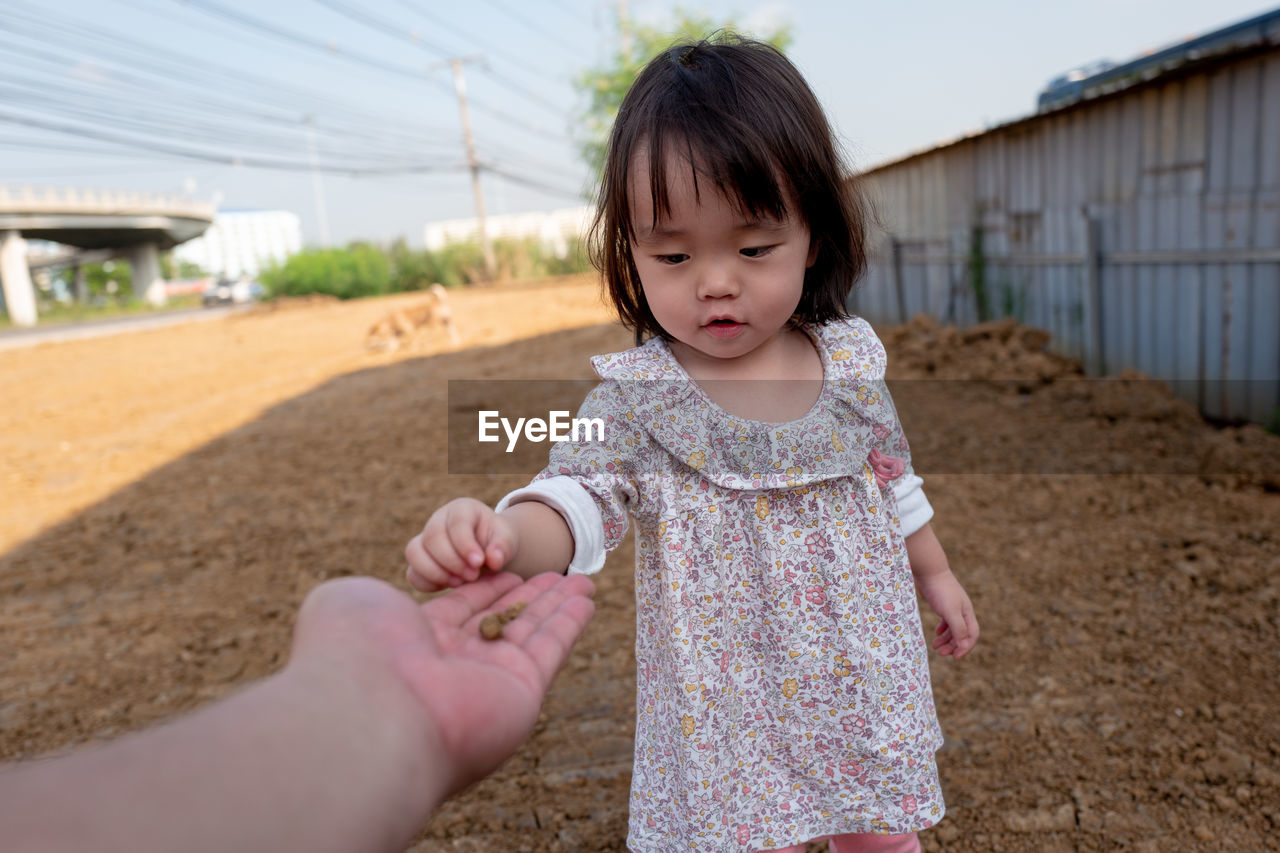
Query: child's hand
{"x": 957, "y": 633}
{"x": 460, "y": 540}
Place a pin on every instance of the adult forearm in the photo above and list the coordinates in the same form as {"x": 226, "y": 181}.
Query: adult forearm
{"x": 291, "y": 763}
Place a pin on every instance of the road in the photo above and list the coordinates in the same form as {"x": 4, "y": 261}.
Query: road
{"x": 16, "y": 338}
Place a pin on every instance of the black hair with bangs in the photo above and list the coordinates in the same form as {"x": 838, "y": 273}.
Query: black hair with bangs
{"x": 741, "y": 115}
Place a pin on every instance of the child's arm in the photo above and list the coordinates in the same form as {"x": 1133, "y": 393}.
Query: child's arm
{"x": 465, "y": 537}
{"x": 958, "y": 631}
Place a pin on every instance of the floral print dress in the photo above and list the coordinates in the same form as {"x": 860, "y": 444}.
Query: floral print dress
{"x": 782, "y": 679}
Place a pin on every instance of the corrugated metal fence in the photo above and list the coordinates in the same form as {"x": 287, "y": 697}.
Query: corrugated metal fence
{"x": 1141, "y": 229}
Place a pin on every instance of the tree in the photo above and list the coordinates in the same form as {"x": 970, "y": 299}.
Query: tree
{"x": 606, "y": 85}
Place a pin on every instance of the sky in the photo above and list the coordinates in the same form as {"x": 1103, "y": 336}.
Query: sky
{"x": 232, "y": 101}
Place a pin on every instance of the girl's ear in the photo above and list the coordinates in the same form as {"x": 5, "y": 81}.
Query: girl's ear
{"x": 815, "y": 243}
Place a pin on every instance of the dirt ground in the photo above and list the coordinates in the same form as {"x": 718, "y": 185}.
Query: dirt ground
{"x": 170, "y": 496}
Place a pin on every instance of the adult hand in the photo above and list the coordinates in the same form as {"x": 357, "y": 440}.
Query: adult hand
{"x": 479, "y": 699}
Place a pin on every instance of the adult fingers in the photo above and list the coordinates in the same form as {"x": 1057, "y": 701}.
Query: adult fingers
{"x": 466, "y": 602}
{"x": 553, "y": 621}
{"x": 550, "y": 644}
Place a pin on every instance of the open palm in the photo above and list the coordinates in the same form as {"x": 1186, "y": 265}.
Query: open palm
{"x": 483, "y": 696}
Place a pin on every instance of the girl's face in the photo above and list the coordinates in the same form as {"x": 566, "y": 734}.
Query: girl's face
{"x": 721, "y": 283}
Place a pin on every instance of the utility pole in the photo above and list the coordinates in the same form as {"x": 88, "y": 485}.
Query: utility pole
{"x": 460, "y": 86}
{"x": 317, "y": 188}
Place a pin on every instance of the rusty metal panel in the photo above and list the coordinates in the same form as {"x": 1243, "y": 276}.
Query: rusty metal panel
{"x": 1165, "y": 294}
{"x": 1217, "y": 284}
{"x": 1181, "y": 166}
{"x": 1108, "y": 134}
{"x": 1243, "y": 171}
{"x": 1188, "y": 324}
{"x": 1264, "y": 368}
{"x": 1269, "y": 141}
{"x": 992, "y": 158}
{"x": 1130, "y": 151}
{"x": 934, "y": 195}
{"x": 1194, "y": 134}
{"x": 1263, "y": 365}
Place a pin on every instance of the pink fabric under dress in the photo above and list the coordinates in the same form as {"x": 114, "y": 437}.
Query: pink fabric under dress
{"x": 782, "y": 677}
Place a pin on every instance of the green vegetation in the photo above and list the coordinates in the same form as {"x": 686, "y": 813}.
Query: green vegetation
{"x": 110, "y": 279}
{"x": 108, "y": 291}
{"x": 186, "y": 269}
{"x": 605, "y": 86}
{"x": 1013, "y": 298}
{"x": 55, "y": 313}
{"x": 977, "y": 269}
{"x": 358, "y": 270}
{"x": 363, "y": 269}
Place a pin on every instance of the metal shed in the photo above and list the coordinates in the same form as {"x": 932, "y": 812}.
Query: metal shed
{"x": 1138, "y": 221}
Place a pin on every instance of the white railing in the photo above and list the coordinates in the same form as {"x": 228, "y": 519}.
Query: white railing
{"x": 73, "y": 200}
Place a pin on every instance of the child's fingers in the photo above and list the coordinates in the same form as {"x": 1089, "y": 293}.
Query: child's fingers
{"x": 440, "y": 560}
{"x": 945, "y": 642}
{"x": 415, "y": 579}
{"x": 499, "y": 542}
{"x": 463, "y": 520}
{"x": 970, "y": 639}
{"x": 424, "y": 573}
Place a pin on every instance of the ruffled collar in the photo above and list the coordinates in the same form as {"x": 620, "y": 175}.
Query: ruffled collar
{"x": 831, "y": 440}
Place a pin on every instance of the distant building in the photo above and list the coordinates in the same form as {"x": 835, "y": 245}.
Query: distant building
{"x": 1134, "y": 217}
{"x": 244, "y": 242}
{"x": 557, "y": 230}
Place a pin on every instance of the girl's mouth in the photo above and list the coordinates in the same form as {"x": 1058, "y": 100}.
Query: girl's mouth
{"x": 724, "y": 328}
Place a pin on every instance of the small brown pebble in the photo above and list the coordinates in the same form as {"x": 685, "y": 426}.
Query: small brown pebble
{"x": 491, "y": 625}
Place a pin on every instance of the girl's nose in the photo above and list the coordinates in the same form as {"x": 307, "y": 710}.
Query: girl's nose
{"x": 717, "y": 281}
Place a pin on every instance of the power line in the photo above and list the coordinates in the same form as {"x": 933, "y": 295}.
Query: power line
{"x": 205, "y": 156}
{"x": 572, "y": 48}
{"x": 529, "y": 182}
{"x": 152, "y": 60}
{"x": 412, "y": 38}
{"x": 195, "y": 133}
{"x": 136, "y": 101}
{"x": 268, "y": 89}
{"x": 331, "y": 49}
{"x": 418, "y": 9}
{"x": 573, "y": 13}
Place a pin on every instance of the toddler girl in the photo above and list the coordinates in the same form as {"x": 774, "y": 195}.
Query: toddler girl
{"x": 782, "y": 681}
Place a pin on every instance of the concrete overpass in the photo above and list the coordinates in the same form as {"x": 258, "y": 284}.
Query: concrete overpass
{"x": 135, "y": 226}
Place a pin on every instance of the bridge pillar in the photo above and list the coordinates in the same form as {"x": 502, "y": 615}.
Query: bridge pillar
{"x": 81, "y": 287}
{"x": 144, "y": 265}
{"x": 15, "y": 276}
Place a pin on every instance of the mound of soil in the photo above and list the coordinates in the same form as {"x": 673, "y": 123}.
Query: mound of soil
{"x": 1122, "y": 696}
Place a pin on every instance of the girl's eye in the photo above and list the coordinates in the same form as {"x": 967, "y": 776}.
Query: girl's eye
{"x": 672, "y": 259}
{"x": 756, "y": 251}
